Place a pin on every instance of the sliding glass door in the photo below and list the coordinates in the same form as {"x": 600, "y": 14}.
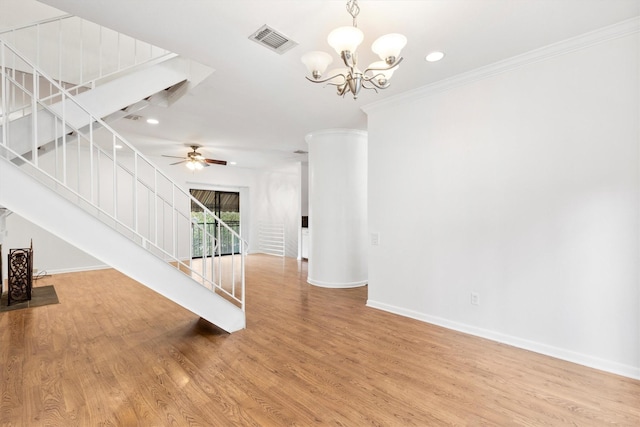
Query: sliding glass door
{"x": 226, "y": 205}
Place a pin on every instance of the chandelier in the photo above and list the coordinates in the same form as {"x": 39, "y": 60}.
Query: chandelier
{"x": 345, "y": 41}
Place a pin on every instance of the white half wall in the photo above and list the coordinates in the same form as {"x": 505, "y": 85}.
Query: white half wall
{"x": 521, "y": 186}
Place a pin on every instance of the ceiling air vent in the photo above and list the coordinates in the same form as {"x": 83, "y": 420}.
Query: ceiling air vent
{"x": 270, "y": 38}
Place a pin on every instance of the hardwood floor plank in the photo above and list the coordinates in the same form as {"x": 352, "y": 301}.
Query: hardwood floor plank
{"x": 112, "y": 352}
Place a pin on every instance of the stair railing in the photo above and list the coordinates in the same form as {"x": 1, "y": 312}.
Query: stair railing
{"x": 93, "y": 166}
{"x": 271, "y": 238}
{"x": 76, "y": 53}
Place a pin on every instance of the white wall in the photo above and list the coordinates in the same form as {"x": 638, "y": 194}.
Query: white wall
{"x": 50, "y": 254}
{"x": 522, "y": 187}
{"x": 278, "y": 201}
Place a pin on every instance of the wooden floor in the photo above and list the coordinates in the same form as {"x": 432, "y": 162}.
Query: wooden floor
{"x": 113, "y": 353}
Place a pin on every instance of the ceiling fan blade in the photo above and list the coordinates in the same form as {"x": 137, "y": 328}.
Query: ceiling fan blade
{"x": 177, "y": 163}
{"x": 216, "y": 162}
{"x": 175, "y": 157}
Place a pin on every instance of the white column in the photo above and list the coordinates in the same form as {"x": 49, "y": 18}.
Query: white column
{"x": 337, "y": 208}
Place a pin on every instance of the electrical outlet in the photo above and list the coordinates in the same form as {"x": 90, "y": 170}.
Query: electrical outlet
{"x": 35, "y": 271}
{"x": 475, "y": 298}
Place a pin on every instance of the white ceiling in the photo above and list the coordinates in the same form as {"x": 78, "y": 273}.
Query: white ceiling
{"x": 257, "y": 107}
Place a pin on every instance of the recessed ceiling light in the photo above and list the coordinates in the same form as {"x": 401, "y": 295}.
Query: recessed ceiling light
{"x": 434, "y": 56}
{"x": 232, "y": 163}
{"x": 152, "y": 121}
{"x": 118, "y": 146}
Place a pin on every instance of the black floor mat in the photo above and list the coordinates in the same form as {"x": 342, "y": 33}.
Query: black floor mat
{"x": 42, "y": 295}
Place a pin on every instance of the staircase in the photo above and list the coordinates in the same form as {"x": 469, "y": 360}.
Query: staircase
{"x": 65, "y": 169}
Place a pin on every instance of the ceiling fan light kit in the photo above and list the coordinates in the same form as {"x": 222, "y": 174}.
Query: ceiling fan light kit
{"x": 345, "y": 41}
{"x": 194, "y": 164}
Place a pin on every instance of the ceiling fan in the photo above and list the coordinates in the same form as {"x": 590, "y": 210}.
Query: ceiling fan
{"x": 195, "y": 160}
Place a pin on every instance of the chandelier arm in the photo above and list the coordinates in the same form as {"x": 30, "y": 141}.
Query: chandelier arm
{"x": 350, "y": 59}
{"x": 375, "y": 83}
{"x": 327, "y": 79}
{"x": 375, "y": 88}
{"x": 398, "y": 61}
{"x": 371, "y": 78}
{"x": 342, "y": 90}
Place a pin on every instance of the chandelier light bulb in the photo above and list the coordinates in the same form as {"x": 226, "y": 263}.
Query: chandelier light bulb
{"x": 191, "y": 165}
{"x": 380, "y": 73}
{"x": 316, "y": 62}
{"x": 345, "y": 39}
{"x": 388, "y": 47}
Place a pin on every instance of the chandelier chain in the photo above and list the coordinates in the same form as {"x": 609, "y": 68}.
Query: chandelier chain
{"x": 354, "y": 10}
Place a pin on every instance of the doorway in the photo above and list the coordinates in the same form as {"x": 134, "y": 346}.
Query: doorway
{"x": 226, "y": 206}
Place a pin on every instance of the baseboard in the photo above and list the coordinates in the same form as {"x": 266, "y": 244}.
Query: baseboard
{"x": 547, "y": 350}
{"x": 336, "y": 285}
{"x": 73, "y": 269}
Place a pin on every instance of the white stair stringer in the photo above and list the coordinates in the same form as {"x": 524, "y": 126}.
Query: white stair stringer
{"x": 71, "y": 223}
{"x": 106, "y": 98}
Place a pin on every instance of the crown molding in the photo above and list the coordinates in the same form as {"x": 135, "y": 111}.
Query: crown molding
{"x": 591, "y": 38}
{"x": 336, "y": 131}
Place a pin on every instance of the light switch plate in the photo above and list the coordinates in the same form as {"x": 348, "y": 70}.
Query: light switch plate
{"x": 375, "y": 239}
